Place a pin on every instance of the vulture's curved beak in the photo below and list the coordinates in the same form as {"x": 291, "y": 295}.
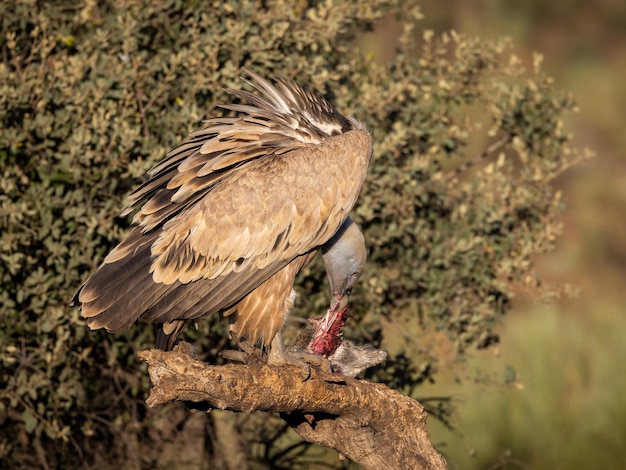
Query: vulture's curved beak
{"x": 345, "y": 300}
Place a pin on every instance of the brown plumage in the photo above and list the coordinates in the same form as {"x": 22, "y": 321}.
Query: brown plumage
{"x": 227, "y": 220}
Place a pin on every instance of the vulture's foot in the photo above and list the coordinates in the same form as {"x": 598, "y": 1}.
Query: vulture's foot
{"x": 243, "y": 357}
{"x": 247, "y": 353}
{"x": 278, "y": 356}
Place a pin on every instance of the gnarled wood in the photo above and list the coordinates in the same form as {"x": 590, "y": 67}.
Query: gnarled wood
{"x": 369, "y": 423}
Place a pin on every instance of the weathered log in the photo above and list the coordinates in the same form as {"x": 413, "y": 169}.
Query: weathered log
{"x": 369, "y": 423}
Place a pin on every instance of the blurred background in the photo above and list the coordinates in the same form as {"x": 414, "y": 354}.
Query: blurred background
{"x": 552, "y": 394}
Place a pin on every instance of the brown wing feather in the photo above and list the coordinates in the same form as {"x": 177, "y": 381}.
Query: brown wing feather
{"x": 137, "y": 297}
{"x": 301, "y": 197}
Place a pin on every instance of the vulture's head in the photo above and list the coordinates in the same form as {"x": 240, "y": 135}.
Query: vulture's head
{"x": 344, "y": 257}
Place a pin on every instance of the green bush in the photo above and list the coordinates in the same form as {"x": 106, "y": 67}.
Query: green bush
{"x": 92, "y": 94}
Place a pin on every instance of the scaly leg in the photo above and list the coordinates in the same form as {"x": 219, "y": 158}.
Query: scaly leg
{"x": 278, "y": 355}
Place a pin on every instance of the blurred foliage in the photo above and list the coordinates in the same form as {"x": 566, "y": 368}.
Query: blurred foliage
{"x": 93, "y": 93}
{"x": 565, "y": 376}
{"x": 568, "y": 409}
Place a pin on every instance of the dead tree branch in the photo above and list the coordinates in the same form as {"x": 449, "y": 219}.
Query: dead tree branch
{"x": 369, "y": 423}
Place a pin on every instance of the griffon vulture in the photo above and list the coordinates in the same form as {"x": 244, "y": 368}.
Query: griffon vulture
{"x": 227, "y": 220}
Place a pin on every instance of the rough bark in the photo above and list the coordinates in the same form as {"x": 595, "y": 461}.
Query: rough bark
{"x": 369, "y": 423}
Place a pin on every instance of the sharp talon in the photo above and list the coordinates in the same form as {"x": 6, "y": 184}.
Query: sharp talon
{"x": 293, "y": 359}
{"x": 335, "y": 378}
